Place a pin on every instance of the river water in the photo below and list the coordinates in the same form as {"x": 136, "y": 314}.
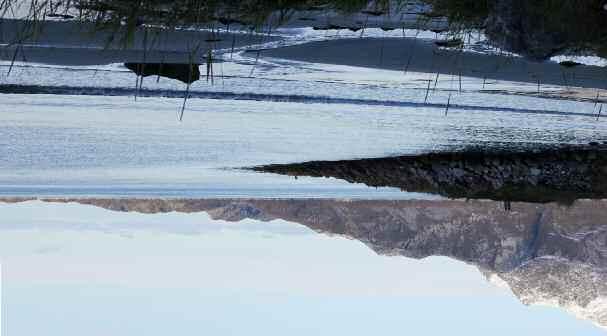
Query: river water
{"x": 68, "y": 130}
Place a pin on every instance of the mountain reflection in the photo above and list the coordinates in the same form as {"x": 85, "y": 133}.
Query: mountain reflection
{"x": 547, "y": 254}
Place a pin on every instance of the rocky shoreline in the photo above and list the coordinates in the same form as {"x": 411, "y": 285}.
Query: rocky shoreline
{"x": 549, "y": 175}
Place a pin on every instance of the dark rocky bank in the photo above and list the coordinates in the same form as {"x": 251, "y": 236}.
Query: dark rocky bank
{"x": 187, "y": 73}
{"x": 544, "y": 28}
{"x": 549, "y": 175}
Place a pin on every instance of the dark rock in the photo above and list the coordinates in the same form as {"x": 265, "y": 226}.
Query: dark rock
{"x": 540, "y": 29}
{"x": 61, "y": 16}
{"x": 439, "y": 31}
{"x": 453, "y": 43}
{"x": 373, "y": 12}
{"x": 226, "y": 21}
{"x": 335, "y": 27}
{"x": 187, "y": 73}
{"x": 569, "y": 64}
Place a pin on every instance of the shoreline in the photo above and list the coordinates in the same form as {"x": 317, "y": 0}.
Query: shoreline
{"x": 153, "y": 205}
{"x": 424, "y": 56}
{"x": 561, "y": 174}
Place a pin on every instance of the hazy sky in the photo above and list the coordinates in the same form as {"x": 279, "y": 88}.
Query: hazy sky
{"x": 74, "y": 270}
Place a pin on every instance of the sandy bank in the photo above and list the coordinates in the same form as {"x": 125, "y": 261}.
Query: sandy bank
{"x": 415, "y": 55}
{"x": 72, "y": 43}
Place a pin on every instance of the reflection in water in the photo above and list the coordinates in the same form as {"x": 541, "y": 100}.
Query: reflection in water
{"x": 553, "y": 174}
{"x": 274, "y": 109}
{"x": 546, "y": 254}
